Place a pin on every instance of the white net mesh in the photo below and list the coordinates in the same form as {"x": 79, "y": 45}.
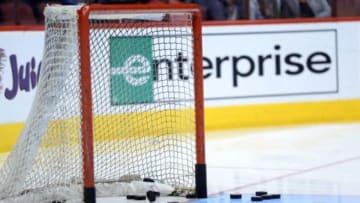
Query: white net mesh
{"x": 143, "y": 109}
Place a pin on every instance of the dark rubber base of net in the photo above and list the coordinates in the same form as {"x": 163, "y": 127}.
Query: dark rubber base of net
{"x": 89, "y": 195}
{"x": 201, "y": 185}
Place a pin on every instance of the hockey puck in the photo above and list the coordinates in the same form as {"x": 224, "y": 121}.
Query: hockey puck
{"x": 260, "y": 193}
{"x": 235, "y": 196}
{"x": 151, "y": 196}
{"x": 130, "y": 196}
{"x": 149, "y": 180}
{"x": 266, "y": 197}
{"x": 139, "y": 197}
{"x": 275, "y": 196}
{"x": 271, "y": 196}
{"x": 58, "y": 201}
{"x": 191, "y": 196}
{"x": 256, "y": 199}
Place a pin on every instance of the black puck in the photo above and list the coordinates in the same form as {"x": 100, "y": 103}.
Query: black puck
{"x": 149, "y": 180}
{"x": 235, "y": 196}
{"x": 266, "y": 197}
{"x": 58, "y": 201}
{"x": 139, "y": 197}
{"x": 260, "y": 193}
{"x": 275, "y": 196}
{"x": 130, "y": 196}
{"x": 271, "y": 196}
{"x": 151, "y": 196}
{"x": 191, "y": 196}
{"x": 256, "y": 198}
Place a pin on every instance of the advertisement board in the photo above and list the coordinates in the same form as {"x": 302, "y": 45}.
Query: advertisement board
{"x": 257, "y": 66}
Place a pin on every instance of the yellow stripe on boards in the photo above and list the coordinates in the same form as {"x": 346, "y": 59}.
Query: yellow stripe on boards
{"x": 262, "y": 115}
{"x": 110, "y": 127}
{"x": 216, "y": 118}
{"x": 8, "y": 135}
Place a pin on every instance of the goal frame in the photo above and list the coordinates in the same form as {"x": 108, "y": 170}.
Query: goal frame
{"x": 86, "y": 94}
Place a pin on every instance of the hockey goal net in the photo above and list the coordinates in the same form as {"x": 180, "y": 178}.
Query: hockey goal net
{"x": 119, "y": 99}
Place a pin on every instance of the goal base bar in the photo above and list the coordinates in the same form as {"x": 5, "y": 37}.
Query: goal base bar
{"x": 200, "y": 181}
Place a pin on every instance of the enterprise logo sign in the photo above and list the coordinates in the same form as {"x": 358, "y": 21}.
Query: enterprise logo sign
{"x": 131, "y": 70}
{"x": 266, "y": 64}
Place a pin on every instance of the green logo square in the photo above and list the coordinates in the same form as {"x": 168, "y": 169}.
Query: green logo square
{"x": 131, "y": 70}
